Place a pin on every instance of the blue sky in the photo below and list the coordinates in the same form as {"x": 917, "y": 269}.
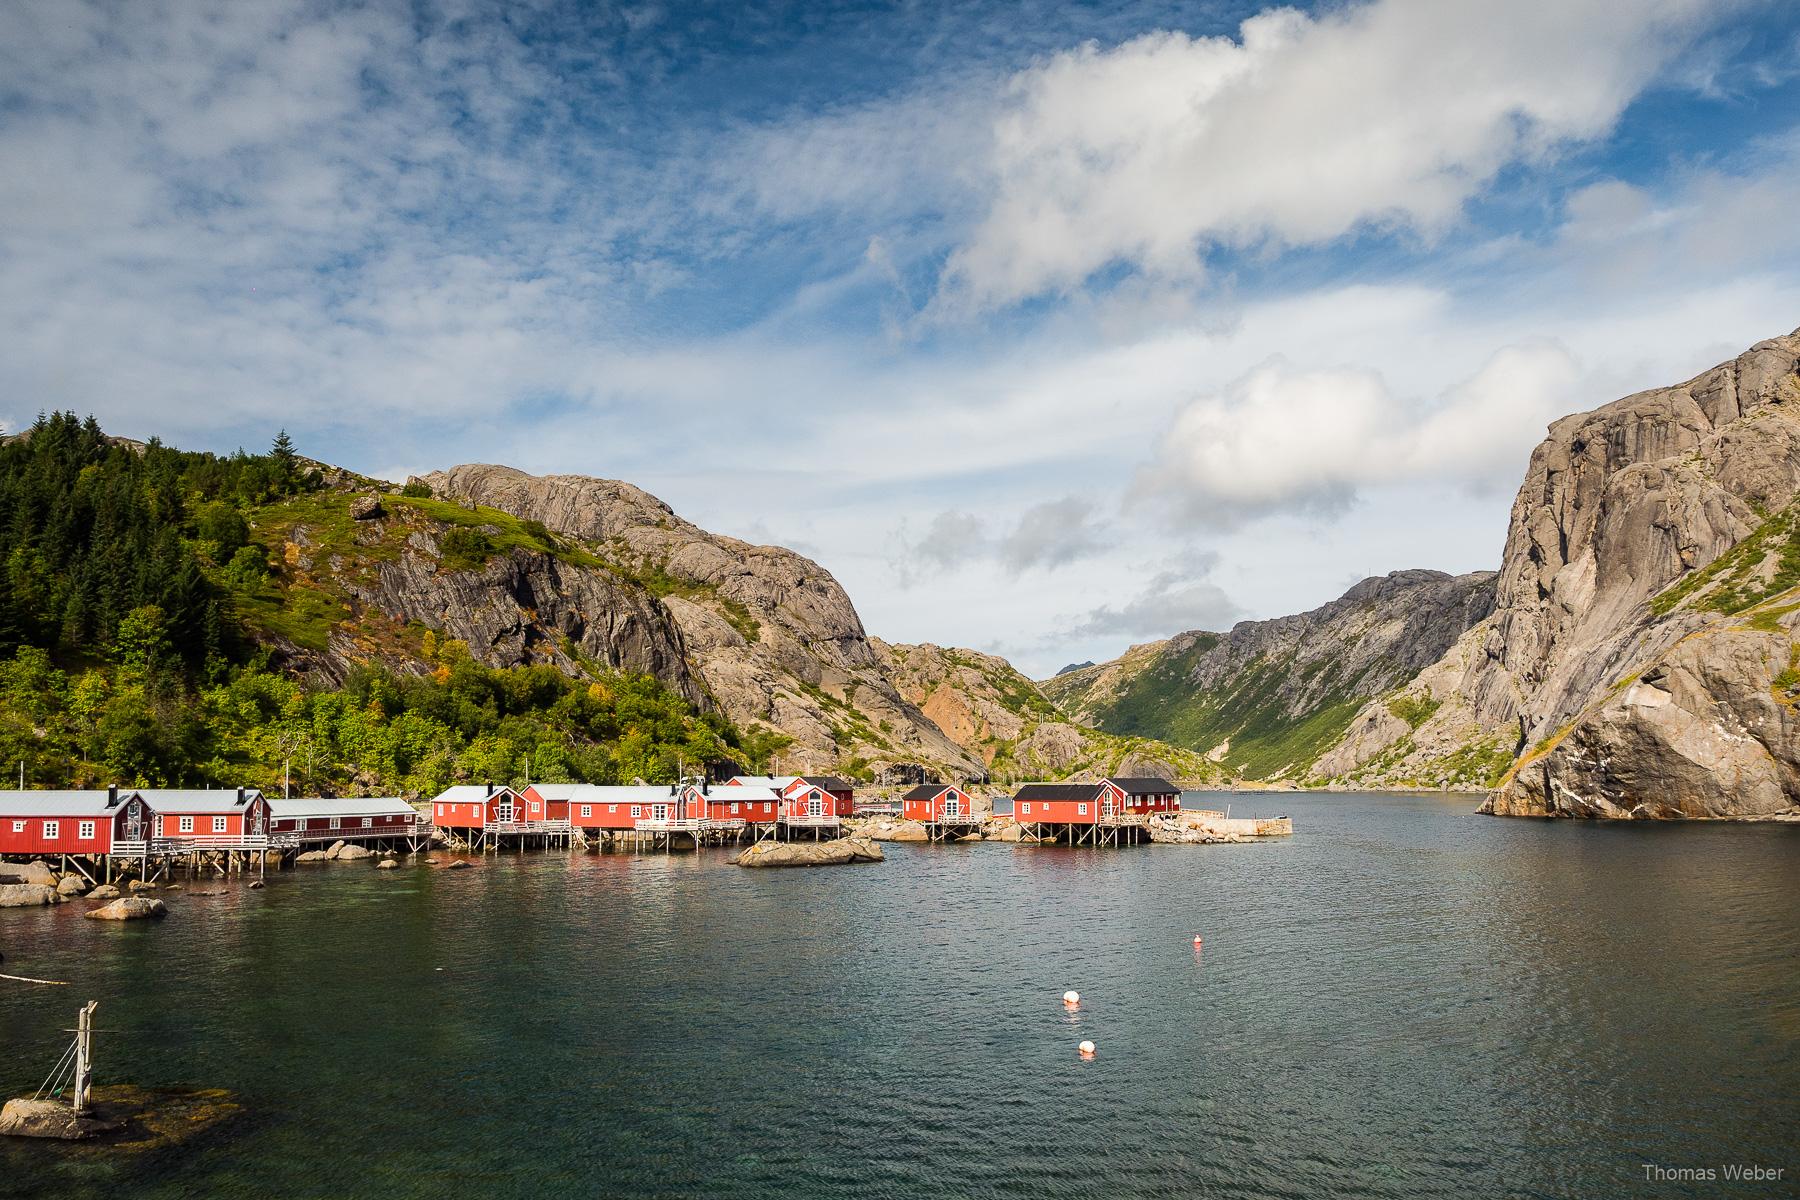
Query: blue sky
{"x": 1047, "y": 328}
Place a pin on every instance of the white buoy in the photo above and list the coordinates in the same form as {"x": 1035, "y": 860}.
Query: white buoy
{"x": 1071, "y": 999}
{"x": 1196, "y": 941}
{"x": 1087, "y": 1049}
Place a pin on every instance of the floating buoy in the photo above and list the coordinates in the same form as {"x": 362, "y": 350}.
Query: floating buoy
{"x": 1071, "y": 999}
{"x": 1196, "y": 941}
{"x": 1087, "y": 1049}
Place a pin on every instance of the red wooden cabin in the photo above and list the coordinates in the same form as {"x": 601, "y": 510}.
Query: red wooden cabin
{"x": 839, "y": 794}
{"x": 937, "y": 804}
{"x": 594, "y": 806}
{"x": 1142, "y": 795}
{"x": 311, "y": 820}
{"x": 477, "y": 806}
{"x": 740, "y": 805}
{"x": 207, "y": 818}
{"x": 1057, "y": 804}
{"x": 548, "y": 801}
{"x": 34, "y": 823}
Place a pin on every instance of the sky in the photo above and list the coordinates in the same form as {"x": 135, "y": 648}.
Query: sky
{"x": 1047, "y": 328}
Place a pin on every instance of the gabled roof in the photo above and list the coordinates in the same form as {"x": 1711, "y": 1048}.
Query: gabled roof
{"x": 1058, "y": 791}
{"x": 743, "y": 795}
{"x": 777, "y": 782}
{"x": 198, "y": 800}
{"x": 38, "y": 802}
{"x": 1144, "y": 785}
{"x": 346, "y": 806}
{"x": 555, "y": 791}
{"x": 467, "y": 793}
{"x": 930, "y": 791}
{"x": 826, "y": 783}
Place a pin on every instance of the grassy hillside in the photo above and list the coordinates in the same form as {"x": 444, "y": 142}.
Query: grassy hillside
{"x": 145, "y": 586}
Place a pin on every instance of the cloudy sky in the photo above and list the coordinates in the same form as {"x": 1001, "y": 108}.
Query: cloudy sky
{"x": 1048, "y": 328}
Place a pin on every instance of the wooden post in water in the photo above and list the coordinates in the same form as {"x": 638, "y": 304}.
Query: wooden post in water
{"x": 84, "y": 1058}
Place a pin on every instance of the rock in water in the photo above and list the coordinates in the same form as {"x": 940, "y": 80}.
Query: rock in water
{"x": 387, "y": 864}
{"x": 26, "y": 895}
{"x": 71, "y": 885}
{"x": 105, "y": 891}
{"x": 49, "y": 1119}
{"x": 256, "y": 883}
{"x": 811, "y": 854}
{"x": 335, "y": 850}
{"x": 130, "y": 908}
{"x": 352, "y": 853}
{"x": 456, "y": 865}
{"x": 311, "y": 856}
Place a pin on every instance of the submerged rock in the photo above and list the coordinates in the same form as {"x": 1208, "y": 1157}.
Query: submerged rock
{"x": 457, "y": 865}
{"x": 811, "y": 854}
{"x": 105, "y": 891}
{"x": 131, "y": 908}
{"x": 310, "y": 856}
{"x": 387, "y": 864}
{"x": 26, "y": 895}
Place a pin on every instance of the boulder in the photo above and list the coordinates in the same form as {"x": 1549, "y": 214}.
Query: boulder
{"x": 138, "y": 885}
{"x": 366, "y": 508}
{"x": 811, "y": 854}
{"x": 256, "y": 883}
{"x": 71, "y": 885}
{"x": 886, "y": 830}
{"x": 309, "y": 856}
{"x": 459, "y": 864}
{"x": 387, "y": 864}
{"x": 352, "y": 853}
{"x": 32, "y": 872}
{"x": 49, "y": 1119}
{"x": 336, "y": 848}
{"x": 130, "y": 908}
{"x": 105, "y": 891}
{"x": 26, "y": 895}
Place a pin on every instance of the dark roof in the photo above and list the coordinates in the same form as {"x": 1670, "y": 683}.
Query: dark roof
{"x": 826, "y": 783}
{"x": 1057, "y": 791}
{"x": 927, "y": 791}
{"x": 1144, "y": 785}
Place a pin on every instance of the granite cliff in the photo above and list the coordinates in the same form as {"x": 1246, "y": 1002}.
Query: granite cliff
{"x": 1266, "y": 697}
{"x": 1641, "y": 657}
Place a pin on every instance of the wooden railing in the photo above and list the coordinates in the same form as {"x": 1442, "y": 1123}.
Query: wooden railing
{"x": 812, "y": 822}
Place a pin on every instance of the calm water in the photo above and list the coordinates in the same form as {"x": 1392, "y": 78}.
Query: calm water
{"x": 1403, "y": 1000}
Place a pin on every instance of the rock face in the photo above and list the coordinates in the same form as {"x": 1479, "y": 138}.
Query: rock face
{"x": 1267, "y": 698}
{"x": 130, "y": 908}
{"x": 985, "y": 705}
{"x": 771, "y": 635}
{"x": 840, "y": 852}
{"x": 32, "y": 872}
{"x": 1640, "y": 661}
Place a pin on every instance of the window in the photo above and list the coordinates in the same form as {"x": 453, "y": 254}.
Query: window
{"x": 1025, "y": 807}
{"x": 335, "y": 821}
{"x": 1081, "y": 810}
{"x": 612, "y": 808}
{"x": 219, "y": 824}
{"x": 734, "y": 808}
{"x": 587, "y": 810}
{"x": 367, "y": 822}
{"x": 187, "y": 825}
{"x": 86, "y": 830}
{"x": 637, "y": 810}
{"x": 52, "y": 829}
{"x": 18, "y": 827}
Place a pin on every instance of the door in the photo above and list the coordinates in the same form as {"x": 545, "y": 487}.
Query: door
{"x": 815, "y": 805}
{"x": 134, "y": 822}
{"x": 503, "y": 812}
{"x": 952, "y": 807}
{"x": 659, "y": 812}
{"x": 256, "y": 820}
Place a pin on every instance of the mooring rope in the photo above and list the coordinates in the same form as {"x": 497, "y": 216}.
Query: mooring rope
{"x": 28, "y": 979}
{"x": 63, "y": 1066}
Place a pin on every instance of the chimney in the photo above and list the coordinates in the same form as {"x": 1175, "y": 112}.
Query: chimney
{"x": 489, "y": 787}
{"x": 240, "y": 796}
{"x": 112, "y": 795}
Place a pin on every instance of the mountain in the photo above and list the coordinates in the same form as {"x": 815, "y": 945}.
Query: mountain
{"x": 1072, "y": 667}
{"x": 1641, "y": 660}
{"x": 985, "y": 705}
{"x": 1267, "y": 697}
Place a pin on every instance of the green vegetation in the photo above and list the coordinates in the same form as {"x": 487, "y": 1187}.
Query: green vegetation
{"x": 1413, "y": 708}
{"x": 416, "y": 490}
{"x": 137, "y": 597}
{"x": 1735, "y": 581}
{"x": 1267, "y": 742}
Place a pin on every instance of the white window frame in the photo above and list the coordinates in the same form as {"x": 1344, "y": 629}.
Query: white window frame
{"x": 612, "y": 808}
{"x": 52, "y": 830}
{"x": 734, "y": 808}
{"x": 184, "y": 824}
{"x": 334, "y": 822}
{"x": 637, "y": 810}
{"x": 587, "y": 810}
{"x": 1025, "y": 806}
{"x": 221, "y": 824}
{"x": 1081, "y": 809}
{"x": 85, "y": 831}
{"x": 19, "y": 826}
{"x": 368, "y": 824}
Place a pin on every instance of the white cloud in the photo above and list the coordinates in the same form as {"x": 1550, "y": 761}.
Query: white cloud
{"x": 1282, "y": 439}
{"x": 1173, "y": 601}
{"x": 1047, "y": 535}
{"x": 1391, "y": 114}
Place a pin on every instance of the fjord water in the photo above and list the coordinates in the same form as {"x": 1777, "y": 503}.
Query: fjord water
{"x": 1402, "y": 1000}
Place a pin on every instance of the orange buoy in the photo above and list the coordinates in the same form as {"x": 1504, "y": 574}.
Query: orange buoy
{"x": 1087, "y": 1049}
{"x": 1196, "y": 941}
{"x": 1071, "y": 999}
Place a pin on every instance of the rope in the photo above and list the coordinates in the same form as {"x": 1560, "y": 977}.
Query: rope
{"x": 27, "y": 979}
{"x": 62, "y": 1067}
